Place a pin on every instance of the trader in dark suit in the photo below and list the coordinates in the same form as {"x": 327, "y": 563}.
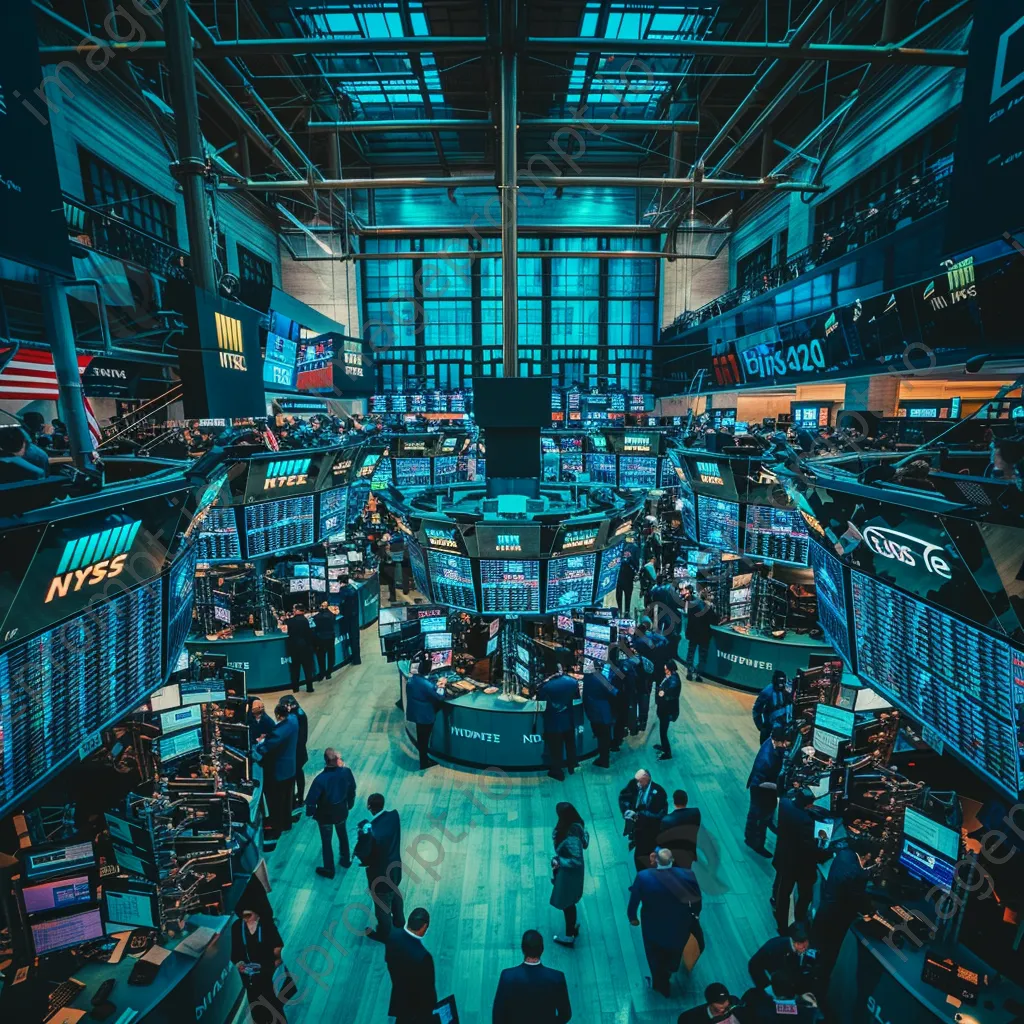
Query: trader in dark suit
{"x": 717, "y": 1007}
{"x": 379, "y": 848}
{"x": 325, "y": 630}
{"x": 667, "y": 900}
{"x": 843, "y": 896}
{"x": 797, "y": 856}
{"x": 277, "y": 752}
{"x": 301, "y": 754}
{"x": 330, "y": 798}
{"x": 411, "y": 967}
{"x": 791, "y": 954}
{"x": 625, "y": 580}
{"x": 421, "y": 706}
{"x": 666, "y": 699}
{"x": 558, "y": 692}
{"x": 643, "y": 804}
{"x": 531, "y": 993}
{"x": 259, "y": 722}
{"x": 772, "y": 705}
{"x": 762, "y": 784}
{"x": 299, "y": 648}
{"x": 598, "y": 697}
{"x": 680, "y": 829}
{"x": 348, "y": 604}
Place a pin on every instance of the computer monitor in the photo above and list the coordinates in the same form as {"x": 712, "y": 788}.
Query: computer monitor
{"x": 595, "y": 651}
{"x": 563, "y": 623}
{"x": 929, "y": 850}
{"x": 437, "y": 641}
{"x": 835, "y": 720}
{"x": 598, "y": 631}
{"x": 168, "y": 696}
{"x": 59, "y": 894}
{"x": 55, "y": 934}
{"x": 58, "y": 860}
{"x": 203, "y": 691}
{"x": 434, "y": 624}
{"x": 179, "y": 744}
{"x": 827, "y": 743}
{"x": 185, "y": 717}
{"x": 625, "y": 627}
{"x": 441, "y": 659}
{"x": 131, "y": 903}
{"x": 523, "y": 671}
{"x": 492, "y": 646}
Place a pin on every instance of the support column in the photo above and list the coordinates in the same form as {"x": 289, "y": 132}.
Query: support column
{"x": 191, "y": 167}
{"x": 57, "y": 321}
{"x": 509, "y": 192}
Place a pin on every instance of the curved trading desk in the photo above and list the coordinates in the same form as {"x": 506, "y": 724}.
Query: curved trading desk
{"x": 480, "y": 730}
{"x": 748, "y": 660}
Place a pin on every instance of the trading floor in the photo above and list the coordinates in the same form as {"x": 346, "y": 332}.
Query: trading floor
{"x": 493, "y": 879}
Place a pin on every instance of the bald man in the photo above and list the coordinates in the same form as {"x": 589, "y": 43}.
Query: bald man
{"x": 643, "y": 804}
{"x": 329, "y": 800}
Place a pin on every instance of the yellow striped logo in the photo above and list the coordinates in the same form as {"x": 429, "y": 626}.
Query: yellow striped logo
{"x": 229, "y": 342}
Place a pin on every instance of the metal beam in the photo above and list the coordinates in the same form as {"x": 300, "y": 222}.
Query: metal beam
{"x": 509, "y": 190}
{"x": 625, "y": 123}
{"x": 601, "y": 254}
{"x": 423, "y": 124}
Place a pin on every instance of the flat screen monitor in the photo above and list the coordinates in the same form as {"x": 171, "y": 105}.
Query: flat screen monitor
{"x": 777, "y": 534}
{"x": 433, "y": 624}
{"x": 59, "y": 860}
{"x": 510, "y": 585}
{"x": 835, "y": 720}
{"x": 391, "y": 619}
{"x": 168, "y": 696}
{"x": 492, "y": 646}
{"x": 636, "y": 471}
{"x": 599, "y": 631}
{"x": 719, "y": 522}
{"x": 563, "y": 623}
{"x": 523, "y": 672}
{"x": 611, "y": 561}
{"x": 132, "y": 904}
{"x": 441, "y": 659}
{"x": 595, "y": 651}
{"x": 203, "y": 691}
{"x": 66, "y": 931}
{"x": 437, "y": 641}
{"x": 926, "y": 865}
{"x": 571, "y": 581}
{"x": 826, "y": 743}
{"x": 185, "y": 717}
{"x": 944, "y": 841}
{"x": 60, "y": 894}
{"x": 451, "y": 579}
{"x": 180, "y": 744}
{"x": 625, "y": 627}
{"x": 494, "y": 627}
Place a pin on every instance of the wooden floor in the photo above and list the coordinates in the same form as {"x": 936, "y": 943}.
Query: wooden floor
{"x": 485, "y": 877}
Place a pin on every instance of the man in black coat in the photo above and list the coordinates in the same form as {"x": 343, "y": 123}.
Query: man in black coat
{"x": 797, "y": 856}
{"x": 259, "y": 722}
{"x": 717, "y": 1007}
{"x": 422, "y": 702}
{"x": 325, "y": 630}
{"x": 666, "y": 699}
{"x": 843, "y": 897}
{"x": 411, "y": 967}
{"x": 762, "y": 784}
{"x": 330, "y": 798}
{"x": 559, "y": 692}
{"x": 348, "y": 604}
{"x": 301, "y": 754}
{"x": 598, "y": 705}
{"x": 700, "y": 617}
{"x": 643, "y": 804}
{"x": 299, "y": 647}
{"x": 680, "y": 829}
{"x": 791, "y": 954}
{"x": 277, "y": 753}
{"x": 531, "y": 993}
{"x": 379, "y": 848}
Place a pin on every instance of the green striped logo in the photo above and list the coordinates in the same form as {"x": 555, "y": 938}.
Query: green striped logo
{"x": 97, "y": 546}
{"x": 287, "y": 473}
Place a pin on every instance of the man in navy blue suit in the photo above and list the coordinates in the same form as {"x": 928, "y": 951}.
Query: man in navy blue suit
{"x": 413, "y": 992}
{"x": 671, "y": 902}
{"x": 559, "y": 691}
{"x": 531, "y": 993}
{"x": 277, "y": 752}
{"x": 598, "y": 694}
{"x": 421, "y": 706}
{"x": 379, "y": 849}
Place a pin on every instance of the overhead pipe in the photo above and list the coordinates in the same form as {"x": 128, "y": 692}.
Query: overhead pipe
{"x": 423, "y": 124}
{"x": 625, "y": 123}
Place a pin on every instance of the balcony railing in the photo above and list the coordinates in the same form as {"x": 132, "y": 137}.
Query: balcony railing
{"x": 924, "y": 195}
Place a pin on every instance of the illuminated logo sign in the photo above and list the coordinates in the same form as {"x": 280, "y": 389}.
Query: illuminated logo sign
{"x": 831, "y": 324}
{"x": 439, "y": 538}
{"x": 509, "y": 542}
{"x": 353, "y": 356}
{"x": 229, "y": 342}
{"x": 287, "y": 473}
{"x": 92, "y": 559}
{"x": 576, "y": 540}
{"x": 636, "y": 443}
{"x": 624, "y": 528}
{"x": 908, "y": 550}
{"x": 710, "y": 473}
{"x": 369, "y": 465}
{"x": 341, "y": 466}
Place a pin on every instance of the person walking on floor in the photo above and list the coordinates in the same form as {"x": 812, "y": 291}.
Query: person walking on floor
{"x": 599, "y": 697}
{"x": 643, "y": 804}
{"x": 301, "y": 754}
{"x": 386, "y": 562}
{"x": 666, "y": 701}
{"x": 558, "y": 693}
{"x": 680, "y": 830}
{"x": 379, "y": 849}
{"x": 570, "y": 839}
{"x": 531, "y": 993}
{"x": 700, "y": 617}
{"x": 331, "y": 796}
{"x": 763, "y": 786}
{"x": 625, "y": 581}
{"x": 422, "y": 702}
{"x": 411, "y": 967}
{"x": 299, "y": 648}
{"x": 277, "y": 753}
{"x": 325, "y": 631}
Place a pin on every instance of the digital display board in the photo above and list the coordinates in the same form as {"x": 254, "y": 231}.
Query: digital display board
{"x": 602, "y": 468}
{"x": 570, "y": 443}
{"x": 510, "y": 540}
{"x": 952, "y": 677}
{"x": 831, "y": 593}
{"x": 638, "y": 471}
{"x": 282, "y": 477}
{"x": 446, "y": 469}
{"x": 279, "y": 362}
{"x": 441, "y": 536}
{"x": 451, "y": 578}
{"x": 333, "y": 512}
{"x": 571, "y": 467}
{"x": 218, "y": 537}
{"x": 412, "y": 472}
{"x": 708, "y": 474}
{"x": 570, "y": 581}
{"x": 181, "y": 581}
{"x": 778, "y": 534}
{"x": 611, "y": 559}
{"x": 719, "y": 523}
{"x": 578, "y": 538}
{"x": 510, "y": 586}
{"x": 273, "y": 526}
{"x": 688, "y": 511}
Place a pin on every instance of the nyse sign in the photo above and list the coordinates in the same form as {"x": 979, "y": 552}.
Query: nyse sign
{"x": 908, "y": 550}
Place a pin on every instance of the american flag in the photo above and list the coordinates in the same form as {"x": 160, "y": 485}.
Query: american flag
{"x": 31, "y": 377}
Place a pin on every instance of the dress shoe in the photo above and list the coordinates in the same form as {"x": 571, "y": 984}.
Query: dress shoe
{"x": 309, "y": 689}
{"x": 565, "y": 940}
{"x": 658, "y": 746}
{"x": 698, "y": 679}
{"x": 558, "y": 776}
{"x": 324, "y": 873}
{"x": 664, "y": 756}
{"x": 600, "y": 764}
{"x": 689, "y": 677}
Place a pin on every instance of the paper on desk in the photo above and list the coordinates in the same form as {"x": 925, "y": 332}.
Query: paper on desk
{"x": 194, "y": 945}
{"x": 156, "y": 955}
{"x": 66, "y": 1015}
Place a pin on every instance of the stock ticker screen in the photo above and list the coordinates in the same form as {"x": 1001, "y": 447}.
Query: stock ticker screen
{"x": 412, "y": 472}
{"x": 950, "y": 676}
{"x": 831, "y": 595}
{"x": 275, "y": 525}
{"x": 719, "y": 523}
{"x": 611, "y": 559}
{"x": 218, "y": 535}
{"x": 333, "y": 511}
{"x": 638, "y": 471}
{"x": 419, "y": 569}
{"x": 601, "y": 468}
{"x": 510, "y": 586}
{"x": 778, "y": 534}
{"x": 452, "y": 579}
{"x": 570, "y": 581}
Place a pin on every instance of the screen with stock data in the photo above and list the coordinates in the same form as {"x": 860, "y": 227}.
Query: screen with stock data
{"x": 510, "y": 586}
{"x": 451, "y": 577}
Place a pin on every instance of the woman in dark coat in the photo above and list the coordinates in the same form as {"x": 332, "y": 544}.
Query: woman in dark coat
{"x": 570, "y": 839}
{"x": 256, "y": 946}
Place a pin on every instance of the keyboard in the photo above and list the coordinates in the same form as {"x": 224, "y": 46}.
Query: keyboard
{"x": 63, "y": 995}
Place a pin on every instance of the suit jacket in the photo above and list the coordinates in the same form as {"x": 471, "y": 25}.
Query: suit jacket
{"x": 668, "y": 705}
{"x": 679, "y": 832}
{"x": 325, "y": 625}
{"x": 331, "y": 795}
{"x": 767, "y": 766}
{"x": 647, "y": 823}
{"x": 279, "y": 749}
{"x": 383, "y": 847}
{"x": 670, "y": 898}
{"x": 421, "y": 701}
{"x": 259, "y": 727}
{"x": 796, "y": 849}
{"x": 301, "y": 755}
{"x": 300, "y": 635}
{"x": 700, "y": 1015}
{"x": 413, "y": 993}
{"x": 558, "y": 694}
{"x": 531, "y": 994}
{"x": 778, "y": 955}
{"x": 598, "y": 694}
